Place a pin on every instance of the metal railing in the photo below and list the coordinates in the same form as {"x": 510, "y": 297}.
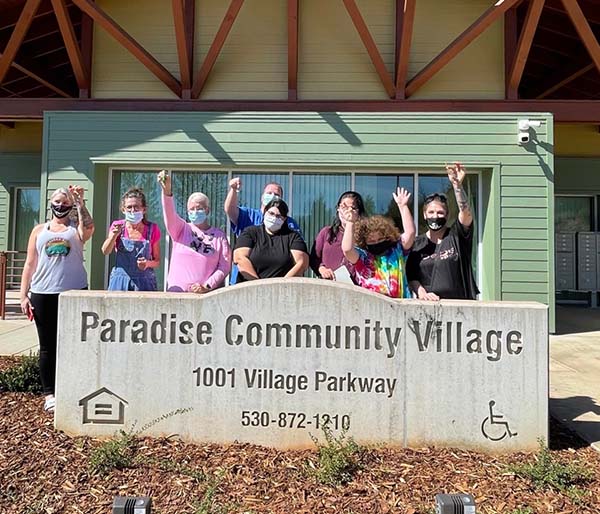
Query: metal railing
{"x": 11, "y": 268}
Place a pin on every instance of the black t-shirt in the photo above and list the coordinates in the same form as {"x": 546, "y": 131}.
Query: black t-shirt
{"x": 270, "y": 255}
{"x": 445, "y": 268}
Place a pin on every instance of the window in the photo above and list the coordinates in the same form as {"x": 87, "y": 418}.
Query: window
{"x": 311, "y": 196}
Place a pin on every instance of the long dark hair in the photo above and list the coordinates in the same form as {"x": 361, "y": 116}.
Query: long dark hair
{"x": 337, "y": 222}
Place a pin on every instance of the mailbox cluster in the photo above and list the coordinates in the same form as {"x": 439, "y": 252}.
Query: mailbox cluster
{"x": 578, "y": 261}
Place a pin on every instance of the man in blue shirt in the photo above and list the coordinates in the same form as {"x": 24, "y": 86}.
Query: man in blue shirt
{"x": 243, "y": 217}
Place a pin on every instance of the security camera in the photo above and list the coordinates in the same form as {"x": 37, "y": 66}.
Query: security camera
{"x": 524, "y": 138}
{"x": 525, "y": 125}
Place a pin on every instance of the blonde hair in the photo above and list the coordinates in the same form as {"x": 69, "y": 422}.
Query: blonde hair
{"x": 63, "y": 191}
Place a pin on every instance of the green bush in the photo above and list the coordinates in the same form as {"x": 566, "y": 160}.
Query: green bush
{"x": 22, "y": 378}
{"x": 547, "y": 472}
{"x": 115, "y": 453}
{"x": 338, "y": 458}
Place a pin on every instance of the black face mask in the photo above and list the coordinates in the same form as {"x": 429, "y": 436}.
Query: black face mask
{"x": 60, "y": 211}
{"x": 436, "y": 223}
{"x": 381, "y": 247}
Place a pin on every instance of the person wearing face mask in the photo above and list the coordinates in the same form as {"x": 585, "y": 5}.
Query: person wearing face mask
{"x": 242, "y": 217}
{"x": 271, "y": 249}
{"x": 54, "y": 264}
{"x": 326, "y": 255}
{"x": 378, "y": 250}
{"x": 201, "y": 257}
{"x": 439, "y": 265}
{"x": 136, "y": 242}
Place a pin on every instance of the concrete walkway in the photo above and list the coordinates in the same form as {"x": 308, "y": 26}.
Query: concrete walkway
{"x": 574, "y": 366}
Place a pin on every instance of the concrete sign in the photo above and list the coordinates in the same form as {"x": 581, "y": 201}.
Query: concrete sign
{"x": 271, "y": 362}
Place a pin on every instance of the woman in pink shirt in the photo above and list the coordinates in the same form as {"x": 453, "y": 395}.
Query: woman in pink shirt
{"x": 201, "y": 257}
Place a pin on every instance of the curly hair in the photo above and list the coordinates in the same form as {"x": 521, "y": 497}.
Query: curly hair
{"x": 382, "y": 224}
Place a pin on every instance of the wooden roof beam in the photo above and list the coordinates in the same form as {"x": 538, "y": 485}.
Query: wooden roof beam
{"x": 584, "y": 30}
{"x": 31, "y": 71}
{"x": 183, "y": 50}
{"x": 405, "y": 25}
{"x": 573, "y": 111}
{"x": 129, "y": 43}
{"x": 532, "y": 19}
{"x": 216, "y": 46}
{"x": 87, "y": 51}
{"x": 371, "y": 47}
{"x": 17, "y": 36}
{"x": 570, "y": 78}
{"x": 292, "y": 47}
{"x": 459, "y": 44}
{"x": 82, "y": 74}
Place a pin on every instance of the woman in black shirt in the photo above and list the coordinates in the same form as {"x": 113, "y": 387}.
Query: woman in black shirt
{"x": 271, "y": 249}
{"x": 439, "y": 265}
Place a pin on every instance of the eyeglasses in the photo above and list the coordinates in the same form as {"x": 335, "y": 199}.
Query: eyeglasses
{"x": 435, "y": 197}
{"x": 278, "y": 216}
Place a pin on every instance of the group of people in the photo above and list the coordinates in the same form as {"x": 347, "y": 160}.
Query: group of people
{"x": 369, "y": 250}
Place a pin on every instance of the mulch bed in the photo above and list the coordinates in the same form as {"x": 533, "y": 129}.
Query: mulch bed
{"x": 44, "y": 471}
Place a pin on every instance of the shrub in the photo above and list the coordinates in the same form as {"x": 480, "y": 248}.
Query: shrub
{"x": 547, "y": 472}
{"x": 115, "y": 453}
{"x": 22, "y": 378}
{"x": 338, "y": 458}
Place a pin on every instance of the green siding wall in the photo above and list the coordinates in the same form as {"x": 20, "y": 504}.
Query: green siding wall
{"x": 517, "y": 185}
{"x": 16, "y": 169}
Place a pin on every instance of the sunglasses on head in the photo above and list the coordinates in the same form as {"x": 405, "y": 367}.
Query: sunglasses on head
{"x": 435, "y": 197}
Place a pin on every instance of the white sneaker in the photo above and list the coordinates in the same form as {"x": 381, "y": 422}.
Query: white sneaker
{"x": 49, "y": 404}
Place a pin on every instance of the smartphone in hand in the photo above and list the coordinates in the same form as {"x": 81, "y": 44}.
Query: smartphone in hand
{"x": 29, "y": 313}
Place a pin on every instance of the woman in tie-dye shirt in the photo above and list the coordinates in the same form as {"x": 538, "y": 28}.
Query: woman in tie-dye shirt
{"x": 379, "y": 256}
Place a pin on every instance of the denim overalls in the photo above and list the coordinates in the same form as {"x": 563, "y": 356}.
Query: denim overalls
{"x": 126, "y": 276}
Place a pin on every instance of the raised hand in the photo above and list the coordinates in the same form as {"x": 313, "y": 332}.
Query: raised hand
{"x": 77, "y": 192}
{"x": 348, "y": 214}
{"x": 164, "y": 179}
{"x": 456, "y": 173}
{"x": 116, "y": 230}
{"x": 401, "y": 197}
{"x": 236, "y": 184}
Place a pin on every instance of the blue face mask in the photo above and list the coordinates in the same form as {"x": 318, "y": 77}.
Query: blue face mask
{"x": 134, "y": 217}
{"x": 197, "y": 217}
{"x": 267, "y": 197}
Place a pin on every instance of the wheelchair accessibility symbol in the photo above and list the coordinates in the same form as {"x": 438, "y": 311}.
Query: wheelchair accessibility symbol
{"x": 495, "y": 427}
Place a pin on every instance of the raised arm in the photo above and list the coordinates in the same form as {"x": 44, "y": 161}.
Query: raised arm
{"x": 231, "y": 207}
{"x": 402, "y": 197}
{"x": 110, "y": 241}
{"x": 456, "y": 175}
{"x": 350, "y": 252}
{"x": 85, "y": 227}
{"x": 173, "y": 222}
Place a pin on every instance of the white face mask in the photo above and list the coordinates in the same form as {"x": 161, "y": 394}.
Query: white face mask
{"x": 134, "y": 217}
{"x": 272, "y": 223}
{"x": 267, "y": 197}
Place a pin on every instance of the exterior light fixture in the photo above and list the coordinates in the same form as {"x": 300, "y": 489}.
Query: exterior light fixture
{"x": 454, "y": 504}
{"x": 129, "y": 505}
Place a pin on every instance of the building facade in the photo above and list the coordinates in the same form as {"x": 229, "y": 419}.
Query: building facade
{"x": 320, "y": 96}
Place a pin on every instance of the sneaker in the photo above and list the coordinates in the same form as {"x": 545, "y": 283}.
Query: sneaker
{"x": 49, "y": 404}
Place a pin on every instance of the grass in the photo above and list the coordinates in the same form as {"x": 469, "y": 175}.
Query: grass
{"x": 547, "y": 472}
{"x": 115, "y": 453}
{"x": 338, "y": 458}
{"x": 22, "y": 378}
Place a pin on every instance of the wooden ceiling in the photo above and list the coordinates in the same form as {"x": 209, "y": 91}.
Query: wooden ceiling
{"x": 558, "y": 66}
